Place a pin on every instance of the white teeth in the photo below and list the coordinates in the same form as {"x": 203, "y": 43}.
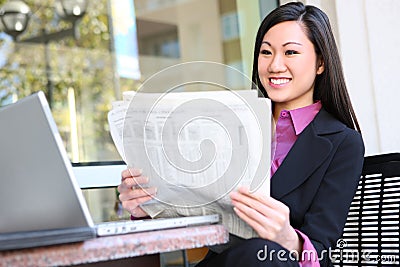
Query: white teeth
{"x": 279, "y": 81}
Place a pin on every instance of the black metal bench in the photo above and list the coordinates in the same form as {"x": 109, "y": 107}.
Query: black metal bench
{"x": 371, "y": 236}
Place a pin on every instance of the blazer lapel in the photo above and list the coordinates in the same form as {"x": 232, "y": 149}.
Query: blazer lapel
{"x": 306, "y": 155}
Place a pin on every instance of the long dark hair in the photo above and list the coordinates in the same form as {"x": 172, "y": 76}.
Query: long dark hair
{"x": 330, "y": 87}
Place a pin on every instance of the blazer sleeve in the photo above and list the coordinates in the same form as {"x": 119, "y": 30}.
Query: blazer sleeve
{"x": 326, "y": 217}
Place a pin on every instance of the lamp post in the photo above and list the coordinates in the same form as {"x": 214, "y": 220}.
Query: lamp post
{"x": 15, "y": 16}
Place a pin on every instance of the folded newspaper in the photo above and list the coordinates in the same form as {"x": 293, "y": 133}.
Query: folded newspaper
{"x": 196, "y": 147}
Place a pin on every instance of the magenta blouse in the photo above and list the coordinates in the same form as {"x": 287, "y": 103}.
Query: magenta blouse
{"x": 289, "y": 125}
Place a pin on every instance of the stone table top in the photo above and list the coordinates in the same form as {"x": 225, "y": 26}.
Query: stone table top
{"x": 116, "y": 247}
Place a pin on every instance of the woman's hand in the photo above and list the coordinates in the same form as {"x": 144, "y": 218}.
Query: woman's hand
{"x": 267, "y": 216}
{"x": 132, "y": 192}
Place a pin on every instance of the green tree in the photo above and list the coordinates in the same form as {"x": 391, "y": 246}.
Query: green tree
{"x": 84, "y": 64}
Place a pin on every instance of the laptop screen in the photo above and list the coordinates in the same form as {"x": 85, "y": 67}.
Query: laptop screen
{"x": 36, "y": 190}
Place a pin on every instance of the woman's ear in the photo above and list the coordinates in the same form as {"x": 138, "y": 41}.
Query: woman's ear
{"x": 321, "y": 66}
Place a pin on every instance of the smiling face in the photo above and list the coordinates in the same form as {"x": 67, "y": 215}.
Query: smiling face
{"x": 288, "y": 65}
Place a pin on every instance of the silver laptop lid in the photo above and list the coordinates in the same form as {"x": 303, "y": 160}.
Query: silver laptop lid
{"x": 37, "y": 188}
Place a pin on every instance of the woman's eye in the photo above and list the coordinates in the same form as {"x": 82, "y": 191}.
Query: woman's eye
{"x": 291, "y": 52}
{"x": 265, "y": 52}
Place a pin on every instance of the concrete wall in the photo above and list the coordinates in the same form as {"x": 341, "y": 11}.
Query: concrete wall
{"x": 368, "y": 39}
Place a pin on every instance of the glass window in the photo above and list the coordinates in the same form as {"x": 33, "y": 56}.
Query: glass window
{"x": 84, "y": 65}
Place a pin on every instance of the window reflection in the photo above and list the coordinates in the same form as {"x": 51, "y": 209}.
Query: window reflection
{"x": 83, "y": 70}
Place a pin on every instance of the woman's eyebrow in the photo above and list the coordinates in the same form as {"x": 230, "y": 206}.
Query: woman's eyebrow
{"x": 285, "y": 44}
{"x": 291, "y": 42}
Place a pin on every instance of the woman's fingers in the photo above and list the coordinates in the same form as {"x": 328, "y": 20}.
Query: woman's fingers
{"x": 131, "y": 172}
{"x": 132, "y": 206}
{"x": 133, "y": 191}
{"x": 254, "y": 204}
{"x": 266, "y": 215}
{"x": 257, "y": 224}
{"x": 128, "y": 183}
{"x": 266, "y": 205}
{"x": 137, "y": 193}
{"x": 132, "y": 200}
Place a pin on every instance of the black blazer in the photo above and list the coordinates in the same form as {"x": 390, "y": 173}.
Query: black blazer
{"x": 318, "y": 179}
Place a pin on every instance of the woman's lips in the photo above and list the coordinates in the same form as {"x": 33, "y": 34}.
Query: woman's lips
{"x": 278, "y": 82}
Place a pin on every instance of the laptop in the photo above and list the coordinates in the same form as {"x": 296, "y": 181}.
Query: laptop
{"x": 41, "y": 202}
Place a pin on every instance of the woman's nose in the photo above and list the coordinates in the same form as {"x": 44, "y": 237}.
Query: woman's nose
{"x": 277, "y": 64}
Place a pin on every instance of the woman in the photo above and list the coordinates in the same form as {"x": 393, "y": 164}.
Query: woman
{"x": 317, "y": 149}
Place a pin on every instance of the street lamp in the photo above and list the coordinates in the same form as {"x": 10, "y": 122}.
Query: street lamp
{"x": 15, "y": 16}
{"x": 71, "y": 10}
